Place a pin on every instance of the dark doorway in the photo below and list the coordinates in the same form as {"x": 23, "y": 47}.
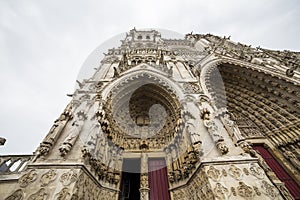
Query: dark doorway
{"x": 130, "y": 183}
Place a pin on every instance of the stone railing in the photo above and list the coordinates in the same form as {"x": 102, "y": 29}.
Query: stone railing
{"x": 10, "y": 164}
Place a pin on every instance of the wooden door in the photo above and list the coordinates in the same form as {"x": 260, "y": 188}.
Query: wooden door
{"x": 158, "y": 180}
{"x": 290, "y": 184}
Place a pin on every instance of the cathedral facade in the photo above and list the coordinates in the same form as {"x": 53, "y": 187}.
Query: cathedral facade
{"x": 201, "y": 117}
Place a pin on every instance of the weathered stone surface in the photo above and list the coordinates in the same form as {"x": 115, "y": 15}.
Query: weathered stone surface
{"x": 200, "y": 103}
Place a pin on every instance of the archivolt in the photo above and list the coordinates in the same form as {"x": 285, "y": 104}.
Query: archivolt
{"x": 129, "y": 100}
{"x": 269, "y": 101}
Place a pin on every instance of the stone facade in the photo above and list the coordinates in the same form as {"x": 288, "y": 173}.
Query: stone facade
{"x": 200, "y": 103}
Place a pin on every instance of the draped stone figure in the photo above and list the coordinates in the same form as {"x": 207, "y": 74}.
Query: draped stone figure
{"x": 213, "y": 129}
{"x": 54, "y": 133}
{"x": 94, "y": 136}
{"x": 232, "y": 126}
{"x": 73, "y": 135}
{"x": 289, "y": 155}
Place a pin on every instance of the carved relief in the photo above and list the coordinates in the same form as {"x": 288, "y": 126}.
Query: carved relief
{"x": 144, "y": 192}
{"x": 16, "y": 195}
{"x": 48, "y": 177}
{"x": 269, "y": 189}
{"x": 222, "y": 147}
{"x": 246, "y": 171}
{"x": 213, "y": 173}
{"x": 257, "y": 90}
{"x": 178, "y": 194}
{"x": 86, "y": 188}
{"x": 245, "y": 190}
{"x": 257, "y": 192}
{"x": 63, "y": 194}
{"x": 144, "y": 181}
{"x": 284, "y": 191}
{"x": 198, "y": 188}
{"x": 223, "y": 47}
{"x": 233, "y": 191}
{"x": 68, "y": 177}
{"x": 231, "y": 126}
{"x": 224, "y": 172}
{"x": 28, "y": 178}
{"x": 221, "y": 192}
{"x": 257, "y": 171}
{"x": 39, "y": 195}
{"x": 235, "y": 172}
{"x": 191, "y": 88}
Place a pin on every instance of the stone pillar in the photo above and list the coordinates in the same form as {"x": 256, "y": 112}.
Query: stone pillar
{"x": 144, "y": 185}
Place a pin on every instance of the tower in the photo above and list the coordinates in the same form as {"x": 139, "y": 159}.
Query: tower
{"x": 200, "y": 117}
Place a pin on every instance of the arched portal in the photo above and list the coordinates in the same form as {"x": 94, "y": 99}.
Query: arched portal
{"x": 266, "y": 110}
{"x": 142, "y": 116}
{"x": 268, "y": 102}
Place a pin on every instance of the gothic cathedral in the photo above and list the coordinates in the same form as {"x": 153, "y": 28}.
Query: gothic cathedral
{"x": 200, "y": 117}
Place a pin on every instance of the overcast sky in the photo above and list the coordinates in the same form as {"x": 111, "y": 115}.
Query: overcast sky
{"x": 43, "y": 45}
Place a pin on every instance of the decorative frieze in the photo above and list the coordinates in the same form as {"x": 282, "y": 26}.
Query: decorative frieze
{"x": 28, "y": 178}
{"x": 41, "y": 194}
{"x": 48, "y": 177}
{"x": 16, "y": 195}
{"x": 68, "y": 177}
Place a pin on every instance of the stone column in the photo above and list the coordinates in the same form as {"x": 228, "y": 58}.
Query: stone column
{"x": 144, "y": 185}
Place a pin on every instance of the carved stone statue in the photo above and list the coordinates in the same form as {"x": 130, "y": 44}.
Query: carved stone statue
{"x": 170, "y": 71}
{"x": 221, "y": 192}
{"x": 192, "y": 136}
{"x": 213, "y": 129}
{"x": 291, "y": 157}
{"x": 228, "y": 119}
{"x": 116, "y": 73}
{"x": 222, "y": 147}
{"x": 246, "y": 146}
{"x": 198, "y": 148}
{"x": 54, "y": 133}
{"x": 94, "y": 134}
{"x": 73, "y": 135}
{"x": 168, "y": 159}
